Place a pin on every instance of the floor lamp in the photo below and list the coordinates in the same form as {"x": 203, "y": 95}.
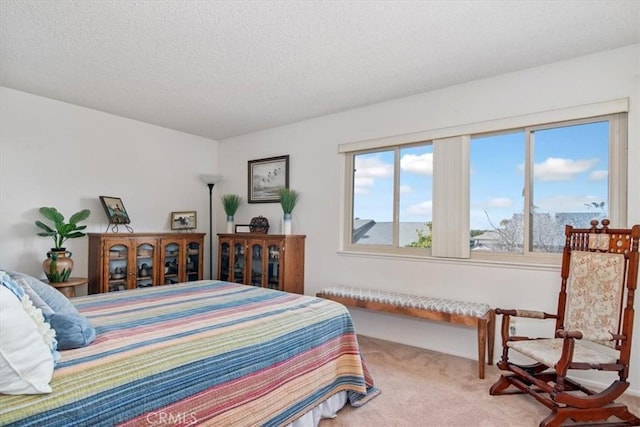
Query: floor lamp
{"x": 210, "y": 180}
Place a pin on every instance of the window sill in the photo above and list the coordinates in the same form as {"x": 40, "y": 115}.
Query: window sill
{"x": 535, "y": 263}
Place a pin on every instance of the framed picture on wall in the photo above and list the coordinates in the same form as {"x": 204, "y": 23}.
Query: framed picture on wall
{"x": 183, "y": 220}
{"x": 266, "y": 178}
{"x": 114, "y": 208}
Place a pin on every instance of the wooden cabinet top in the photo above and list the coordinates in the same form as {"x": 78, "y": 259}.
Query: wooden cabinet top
{"x": 149, "y": 234}
{"x": 258, "y": 235}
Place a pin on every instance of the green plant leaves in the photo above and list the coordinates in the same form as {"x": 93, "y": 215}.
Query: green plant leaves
{"x": 52, "y": 214}
{"x": 231, "y": 203}
{"x": 45, "y": 227}
{"x": 80, "y": 216}
{"x": 288, "y": 199}
{"x": 63, "y": 230}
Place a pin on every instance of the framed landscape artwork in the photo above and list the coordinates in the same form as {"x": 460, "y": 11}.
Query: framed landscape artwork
{"x": 183, "y": 220}
{"x": 114, "y": 208}
{"x": 266, "y": 178}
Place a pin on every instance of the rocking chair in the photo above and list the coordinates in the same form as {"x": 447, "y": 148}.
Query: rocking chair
{"x": 593, "y": 331}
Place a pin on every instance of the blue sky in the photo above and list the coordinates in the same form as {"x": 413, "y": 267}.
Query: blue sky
{"x": 570, "y": 171}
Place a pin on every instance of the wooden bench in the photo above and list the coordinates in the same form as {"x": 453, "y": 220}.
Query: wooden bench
{"x": 477, "y": 315}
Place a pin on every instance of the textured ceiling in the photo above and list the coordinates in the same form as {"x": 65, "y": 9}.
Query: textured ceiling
{"x": 225, "y": 68}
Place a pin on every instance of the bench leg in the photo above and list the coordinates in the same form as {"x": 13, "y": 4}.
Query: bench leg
{"x": 482, "y": 345}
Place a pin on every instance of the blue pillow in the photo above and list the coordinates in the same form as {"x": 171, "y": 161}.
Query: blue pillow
{"x": 72, "y": 330}
{"x": 10, "y": 284}
{"x": 50, "y": 295}
{"x": 33, "y": 295}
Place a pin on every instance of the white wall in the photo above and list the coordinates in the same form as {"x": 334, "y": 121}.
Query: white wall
{"x": 316, "y": 171}
{"x": 57, "y": 154}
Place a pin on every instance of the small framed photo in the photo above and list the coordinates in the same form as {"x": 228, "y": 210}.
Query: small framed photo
{"x": 183, "y": 220}
{"x": 114, "y": 208}
{"x": 266, "y": 178}
{"x": 242, "y": 228}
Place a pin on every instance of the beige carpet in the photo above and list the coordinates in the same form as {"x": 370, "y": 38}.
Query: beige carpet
{"x": 425, "y": 388}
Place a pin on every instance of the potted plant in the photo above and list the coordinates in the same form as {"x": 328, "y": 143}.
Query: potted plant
{"x": 59, "y": 264}
{"x": 288, "y": 200}
{"x": 230, "y": 203}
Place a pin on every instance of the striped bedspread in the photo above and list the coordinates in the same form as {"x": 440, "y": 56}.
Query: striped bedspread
{"x": 200, "y": 353}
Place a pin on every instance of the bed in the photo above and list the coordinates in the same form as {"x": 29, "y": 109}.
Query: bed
{"x": 202, "y": 353}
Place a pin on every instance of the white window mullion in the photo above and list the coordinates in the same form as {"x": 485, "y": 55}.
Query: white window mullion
{"x": 528, "y": 208}
{"x": 451, "y": 197}
{"x": 617, "y": 209}
{"x": 396, "y": 197}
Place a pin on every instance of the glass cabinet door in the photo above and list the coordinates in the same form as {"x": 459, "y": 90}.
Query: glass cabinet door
{"x": 171, "y": 263}
{"x": 144, "y": 265}
{"x": 273, "y": 267}
{"x": 192, "y": 262}
{"x": 225, "y": 258}
{"x": 238, "y": 262}
{"x": 118, "y": 256}
{"x": 257, "y": 269}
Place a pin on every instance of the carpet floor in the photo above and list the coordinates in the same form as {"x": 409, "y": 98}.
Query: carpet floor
{"x": 426, "y": 388}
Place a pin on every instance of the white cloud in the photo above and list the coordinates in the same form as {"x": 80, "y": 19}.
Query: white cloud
{"x": 422, "y": 164}
{"x": 556, "y": 169}
{"x": 500, "y": 202}
{"x": 367, "y": 170}
{"x": 362, "y": 185}
{"x": 573, "y": 203}
{"x": 421, "y": 209}
{"x": 373, "y": 167}
{"x": 405, "y": 189}
{"x": 598, "y": 175}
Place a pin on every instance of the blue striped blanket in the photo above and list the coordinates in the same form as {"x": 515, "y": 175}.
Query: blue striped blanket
{"x": 200, "y": 353}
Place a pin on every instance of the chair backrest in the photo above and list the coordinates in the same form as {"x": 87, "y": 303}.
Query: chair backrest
{"x": 599, "y": 278}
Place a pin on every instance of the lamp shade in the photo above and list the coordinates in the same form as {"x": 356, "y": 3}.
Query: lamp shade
{"x": 211, "y": 179}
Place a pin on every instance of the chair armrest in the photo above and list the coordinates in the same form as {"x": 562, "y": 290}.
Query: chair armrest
{"x": 605, "y": 336}
{"x": 506, "y": 319}
{"x": 532, "y": 314}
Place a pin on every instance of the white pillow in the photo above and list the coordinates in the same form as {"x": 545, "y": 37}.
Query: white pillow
{"x": 26, "y": 362}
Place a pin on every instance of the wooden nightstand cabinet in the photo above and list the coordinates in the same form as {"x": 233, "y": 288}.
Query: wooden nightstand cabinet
{"x": 272, "y": 261}
{"x": 119, "y": 261}
{"x": 68, "y": 288}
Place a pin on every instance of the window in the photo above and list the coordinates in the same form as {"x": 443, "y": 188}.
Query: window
{"x": 560, "y": 171}
{"x": 392, "y": 184}
{"x": 499, "y": 190}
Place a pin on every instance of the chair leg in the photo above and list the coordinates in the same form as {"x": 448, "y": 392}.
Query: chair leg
{"x": 491, "y": 333}
{"x": 501, "y": 385}
{"x": 559, "y": 415}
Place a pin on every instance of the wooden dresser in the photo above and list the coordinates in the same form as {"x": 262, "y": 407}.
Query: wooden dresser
{"x": 274, "y": 261}
{"x": 120, "y": 261}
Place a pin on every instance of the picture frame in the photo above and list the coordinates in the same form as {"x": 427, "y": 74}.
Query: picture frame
{"x": 114, "y": 208}
{"x": 266, "y": 177}
{"x": 185, "y": 220}
{"x": 242, "y": 228}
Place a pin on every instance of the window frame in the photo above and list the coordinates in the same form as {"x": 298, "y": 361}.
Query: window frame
{"x": 616, "y": 112}
{"x": 394, "y": 247}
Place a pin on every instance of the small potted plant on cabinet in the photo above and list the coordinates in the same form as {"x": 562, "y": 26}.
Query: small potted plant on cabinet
{"x": 59, "y": 264}
{"x": 230, "y": 203}
{"x": 288, "y": 200}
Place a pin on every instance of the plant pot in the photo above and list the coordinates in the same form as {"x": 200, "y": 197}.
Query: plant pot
{"x": 58, "y": 265}
{"x": 286, "y": 224}
{"x": 230, "y": 224}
